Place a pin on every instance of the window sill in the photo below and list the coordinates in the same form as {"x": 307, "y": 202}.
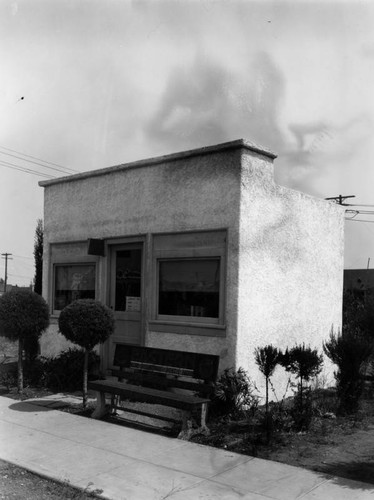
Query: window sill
{"x": 187, "y": 328}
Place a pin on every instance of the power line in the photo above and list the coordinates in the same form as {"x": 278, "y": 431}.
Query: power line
{"x": 357, "y": 205}
{"x": 36, "y": 163}
{"x": 19, "y": 276}
{"x": 39, "y": 159}
{"x": 359, "y": 220}
{"x": 24, "y": 169}
{"x": 362, "y": 212}
{"x": 23, "y": 257}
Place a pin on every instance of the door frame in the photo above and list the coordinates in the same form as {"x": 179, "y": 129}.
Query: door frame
{"x": 111, "y": 245}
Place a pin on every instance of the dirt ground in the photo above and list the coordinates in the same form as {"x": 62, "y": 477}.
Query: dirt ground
{"x": 338, "y": 446}
{"x": 17, "y": 483}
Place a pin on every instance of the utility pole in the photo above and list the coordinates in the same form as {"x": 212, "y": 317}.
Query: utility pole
{"x": 6, "y": 256}
{"x": 340, "y": 199}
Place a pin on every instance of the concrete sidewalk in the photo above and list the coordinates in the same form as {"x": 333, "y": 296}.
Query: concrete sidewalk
{"x": 128, "y": 464}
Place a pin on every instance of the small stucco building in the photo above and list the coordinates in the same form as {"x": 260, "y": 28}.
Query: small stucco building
{"x": 195, "y": 251}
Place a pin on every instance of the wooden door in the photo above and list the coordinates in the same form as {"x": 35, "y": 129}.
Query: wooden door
{"x": 125, "y": 294}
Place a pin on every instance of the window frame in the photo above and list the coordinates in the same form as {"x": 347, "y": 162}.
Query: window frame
{"x": 56, "y": 312}
{"x": 173, "y": 250}
{"x": 191, "y": 319}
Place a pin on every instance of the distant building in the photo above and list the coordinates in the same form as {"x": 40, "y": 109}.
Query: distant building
{"x": 10, "y": 288}
{"x": 359, "y": 281}
{"x": 197, "y": 251}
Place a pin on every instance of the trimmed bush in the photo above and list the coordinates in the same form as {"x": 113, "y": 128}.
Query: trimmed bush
{"x": 23, "y": 315}
{"x": 267, "y": 358}
{"x": 305, "y": 363}
{"x": 86, "y": 322}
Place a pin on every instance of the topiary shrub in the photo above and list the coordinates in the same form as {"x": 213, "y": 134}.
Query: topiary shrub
{"x": 23, "y": 315}
{"x": 86, "y": 322}
{"x": 267, "y": 358}
{"x": 305, "y": 363}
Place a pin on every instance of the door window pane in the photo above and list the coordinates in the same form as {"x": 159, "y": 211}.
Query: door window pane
{"x": 73, "y": 282}
{"x": 189, "y": 287}
{"x": 127, "y": 280}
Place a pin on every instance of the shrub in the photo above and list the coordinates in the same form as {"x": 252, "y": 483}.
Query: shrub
{"x": 64, "y": 372}
{"x": 305, "y": 363}
{"x": 61, "y": 373}
{"x": 86, "y": 322}
{"x": 23, "y": 315}
{"x": 348, "y": 350}
{"x": 35, "y": 372}
{"x": 8, "y": 375}
{"x": 233, "y": 394}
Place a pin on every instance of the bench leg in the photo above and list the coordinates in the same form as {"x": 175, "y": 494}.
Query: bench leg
{"x": 187, "y": 427}
{"x": 187, "y": 431}
{"x": 101, "y": 408}
{"x": 204, "y": 414}
{"x": 114, "y": 404}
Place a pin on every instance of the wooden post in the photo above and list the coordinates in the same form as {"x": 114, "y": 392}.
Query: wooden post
{"x": 101, "y": 408}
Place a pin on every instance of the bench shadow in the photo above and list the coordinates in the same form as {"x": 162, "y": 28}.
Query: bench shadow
{"x": 42, "y": 405}
{"x": 141, "y": 426}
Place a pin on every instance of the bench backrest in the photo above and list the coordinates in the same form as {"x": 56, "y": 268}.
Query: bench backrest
{"x": 167, "y": 368}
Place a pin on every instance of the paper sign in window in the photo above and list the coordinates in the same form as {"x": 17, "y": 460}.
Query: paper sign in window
{"x": 133, "y": 304}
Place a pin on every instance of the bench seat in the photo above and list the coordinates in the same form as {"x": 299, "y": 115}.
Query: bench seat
{"x": 148, "y": 394}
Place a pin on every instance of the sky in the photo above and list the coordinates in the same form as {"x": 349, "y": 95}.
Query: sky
{"x": 87, "y": 84}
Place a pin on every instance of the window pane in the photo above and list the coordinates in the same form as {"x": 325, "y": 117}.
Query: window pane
{"x": 72, "y": 283}
{"x": 189, "y": 287}
{"x": 128, "y": 280}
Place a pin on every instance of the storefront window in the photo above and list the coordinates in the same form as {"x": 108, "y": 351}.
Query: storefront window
{"x": 189, "y": 287}
{"x": 189, "y": 271}
{"x": 73, "y": 282}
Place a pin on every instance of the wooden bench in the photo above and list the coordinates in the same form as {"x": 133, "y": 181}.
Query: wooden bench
{"x": 182, "y": 380}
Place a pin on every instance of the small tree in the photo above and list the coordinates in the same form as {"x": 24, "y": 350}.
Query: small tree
{"x": 304, "y": 362}
{"x": 86, "y": 322}
{"x": 267, "y": 359}
{"x": 38, "y": 257}
{"x": 23, "y": 315}
{"x": 31, "y": 343}
{"x": 349, "y": 350}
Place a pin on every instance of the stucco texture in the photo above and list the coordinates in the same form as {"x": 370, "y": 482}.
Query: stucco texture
{"x": 186, "y": 194}
{"x": 284, "y": 255}
{"x": 290, "y": 270}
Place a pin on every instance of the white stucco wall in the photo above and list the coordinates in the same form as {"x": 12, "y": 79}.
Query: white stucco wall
{"x": 290, "y": 270}
{"x": 284, "y": 253}
{"x": 190, "y": 193}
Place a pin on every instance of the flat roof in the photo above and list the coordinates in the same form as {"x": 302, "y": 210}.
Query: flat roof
{"x": 225, "y": 146}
